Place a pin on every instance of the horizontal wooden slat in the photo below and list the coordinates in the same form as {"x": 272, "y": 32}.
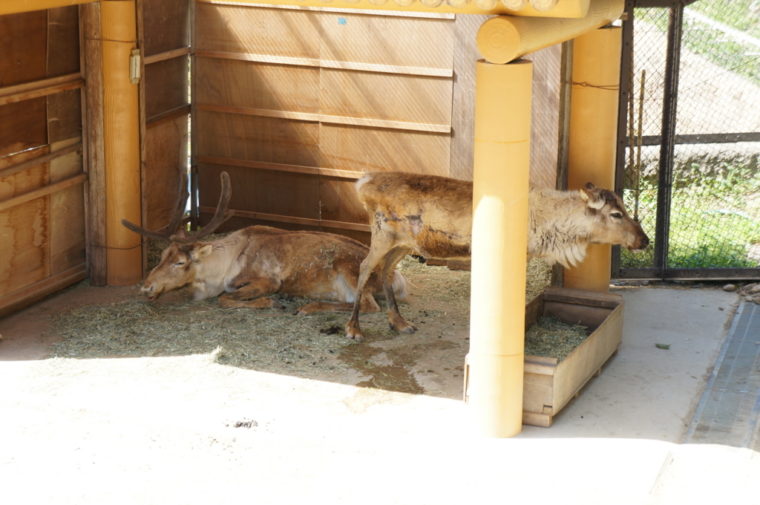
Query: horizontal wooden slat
{"x": 392, "y": 13}
{"x": 182, "y": 110}
{"x": 281, "y": 167}
{"x": 36, "y": 89}
{"x": 333, "y": 64}
{"x": 37, "y": 193}
{"x": 327, "y": 118}
{"x": 167, "y": 55}
{"x": 13, "y": 169}
{"x": 263, "y": 216}
{"x": 27, "y": 295}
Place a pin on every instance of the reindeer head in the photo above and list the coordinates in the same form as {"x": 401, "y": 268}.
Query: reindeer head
{"x": 176, "y": 269}
{"x": 177, "y": 266}
{"x": 612, "y": 224}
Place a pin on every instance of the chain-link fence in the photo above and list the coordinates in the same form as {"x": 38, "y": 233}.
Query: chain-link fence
{"x": 709, "y": 91}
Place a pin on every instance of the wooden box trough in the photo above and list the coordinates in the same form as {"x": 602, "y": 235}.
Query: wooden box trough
{"x": 550, "y": 384}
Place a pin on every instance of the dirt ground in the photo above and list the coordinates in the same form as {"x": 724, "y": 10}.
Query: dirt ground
{"x": 86, "y": 322}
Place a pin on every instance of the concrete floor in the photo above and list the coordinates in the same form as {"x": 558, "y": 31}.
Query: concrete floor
{"x": 186, "y": 430}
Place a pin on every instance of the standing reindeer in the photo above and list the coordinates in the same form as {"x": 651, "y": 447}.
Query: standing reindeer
{"x": 432, "y": 216}
{"x": 249, "y": 265}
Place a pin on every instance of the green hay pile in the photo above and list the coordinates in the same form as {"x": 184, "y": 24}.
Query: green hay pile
{"x": 554, "y": 338}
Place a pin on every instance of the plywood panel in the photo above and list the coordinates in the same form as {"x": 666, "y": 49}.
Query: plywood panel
{"x": 23, "y": 39}
{"x": 24, "y": 234}
{"x": 67, "y": 229}
{"x": 22, "y": 125}
{"x": 165, "y": 86}
{"x": 386, "y": 39}
{"x": 266, "y": 191}
{"x": 166, "y": 155}
{"x": 260, "y": 85}
{"x": 339, "y": 202}
{"x": 257, "y": 138}
{"x": 370, "y": 149}
{"x": 18, "y": 183}
{"x": 386, "y": 96}
{"x": 64, "y": 116}
{"x": 166, "y": 25}
{"x": 256, "y": 30}
{"x": 545, "y": 117}
{"x": 66, "y": 165}
{"x": 463, "y": 102}
{"x": 63, "y": 41}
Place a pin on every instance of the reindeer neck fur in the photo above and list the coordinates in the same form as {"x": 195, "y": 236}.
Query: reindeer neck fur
{"x": 560, "y": 226}
{"x": 215, "y": 271}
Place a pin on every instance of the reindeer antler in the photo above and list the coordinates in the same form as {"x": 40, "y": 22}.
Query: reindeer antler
{"x": 174, "y": 231}
{"x": 220, "y": 215}
{"x": 177, "y": 216}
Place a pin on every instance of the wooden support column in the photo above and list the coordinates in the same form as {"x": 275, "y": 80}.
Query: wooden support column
{"x": 593, "y": 137}
{"x": 494, "y": 383}
{"x": 121, "y": 142}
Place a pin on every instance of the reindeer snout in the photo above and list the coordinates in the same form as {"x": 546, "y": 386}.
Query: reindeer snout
{"x": 150, "y": 291}
{"x": 642, "y": 241}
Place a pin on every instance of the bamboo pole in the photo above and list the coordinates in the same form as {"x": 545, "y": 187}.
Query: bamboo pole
{"x": 121, "y": 141}
{"x": 499, "y": 240}
{"x": 505, "y": 38}
{"x": 593, "y": 130}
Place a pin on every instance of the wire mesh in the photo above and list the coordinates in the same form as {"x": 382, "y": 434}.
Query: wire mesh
{"x": 715, "y": 206}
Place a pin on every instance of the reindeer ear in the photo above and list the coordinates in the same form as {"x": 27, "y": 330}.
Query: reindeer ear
{"x": 592, "y": 196}
{"x": 198, "y": 253}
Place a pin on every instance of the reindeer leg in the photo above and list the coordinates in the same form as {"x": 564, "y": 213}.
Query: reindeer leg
{"x": 368, "y": 304}
{"x": 377, "y": 251}
{"x": 395, "y": 319}
{"x": 251, "y": 292}
{"x": 227, "y": 301}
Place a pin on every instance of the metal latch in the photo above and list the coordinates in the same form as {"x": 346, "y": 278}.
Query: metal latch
{"x": 134, "y": 66}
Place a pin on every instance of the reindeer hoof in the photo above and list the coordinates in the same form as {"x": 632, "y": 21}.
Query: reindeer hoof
{"x": 405, "y": 328}
{"x": 354, "y": 333}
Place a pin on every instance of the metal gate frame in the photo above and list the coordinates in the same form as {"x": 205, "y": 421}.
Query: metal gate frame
{"x": 667, "y": 142}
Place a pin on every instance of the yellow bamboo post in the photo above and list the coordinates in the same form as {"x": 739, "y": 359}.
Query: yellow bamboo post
{"x": 593, "y": 136}
{"x": 121, "y": 142}
{"x": 499, "y": 240}
{"x": 504, "y": 38}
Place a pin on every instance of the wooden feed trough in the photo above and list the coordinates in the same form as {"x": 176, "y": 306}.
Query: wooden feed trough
{"x": 549, "y": 384}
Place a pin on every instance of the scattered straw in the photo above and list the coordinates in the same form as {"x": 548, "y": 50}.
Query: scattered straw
{"x": 268, "y": 340}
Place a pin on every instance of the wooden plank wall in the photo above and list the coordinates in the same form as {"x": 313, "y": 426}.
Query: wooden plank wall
{"x": 42, "y": 230}
{"x": 164, "y": 34}
{"x": 295, "y": 104}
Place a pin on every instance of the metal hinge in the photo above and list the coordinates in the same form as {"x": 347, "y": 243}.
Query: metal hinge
{"x": 134, "y": 66}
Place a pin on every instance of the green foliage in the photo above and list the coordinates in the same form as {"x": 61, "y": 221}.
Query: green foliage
{"x": 737, "y": 14}
{"x": 713, "y": 219}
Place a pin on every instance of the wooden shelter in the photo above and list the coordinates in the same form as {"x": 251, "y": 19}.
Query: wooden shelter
{"x": 295, "y": 99}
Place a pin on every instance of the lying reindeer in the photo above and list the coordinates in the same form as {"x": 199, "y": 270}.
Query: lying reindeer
{"x": 432, "y": 216}
{"x": 249, "y": 265}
